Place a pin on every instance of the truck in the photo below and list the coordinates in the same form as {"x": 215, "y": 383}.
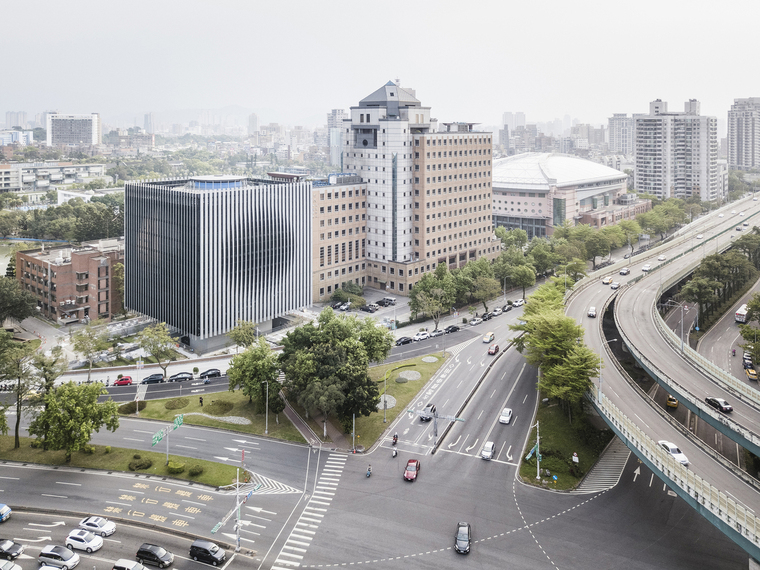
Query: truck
{"x": 741, "y": 314}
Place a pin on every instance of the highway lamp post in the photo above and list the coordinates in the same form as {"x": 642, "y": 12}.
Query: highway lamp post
{"x": 671, "y": 303}
{"x": 538, "y": 455}
{"x": 601, "y": 352}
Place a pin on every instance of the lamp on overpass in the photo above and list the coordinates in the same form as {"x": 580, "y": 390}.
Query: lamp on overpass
{"x": 672, "y": 303}
{"x": 600, "y": 365}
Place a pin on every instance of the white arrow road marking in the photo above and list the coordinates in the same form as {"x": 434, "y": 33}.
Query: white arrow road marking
{"x": 509, "y": 457}
{"x": 457, "y": 441}
{"x": 41, "y": 539}
{"x": 221, "y": 458}
{"x": 482, "y": 363}
{"x": 59, "y": 523}
{"x": 468, "y": 449}
{"x": 469, "y": 360}
{"x": 260, "y": 510}
{"x": 231, "y": 449}
{"x": 636, "y": 473}
{"x": 430, "y": 436}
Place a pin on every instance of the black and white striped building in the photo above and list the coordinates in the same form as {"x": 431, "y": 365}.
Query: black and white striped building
{"x": 204, "y": 252}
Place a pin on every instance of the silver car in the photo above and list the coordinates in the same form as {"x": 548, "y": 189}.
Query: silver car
{"x": 506, "y": 416}
{"x": 488, "y": 449}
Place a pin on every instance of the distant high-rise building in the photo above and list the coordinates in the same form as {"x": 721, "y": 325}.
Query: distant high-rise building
{"x": 620, "y": 127}
{"x": 73, "y": 129}
{"x": 676, "y": 154}
{"x": 15, "y": 119}
{"x": 335, "y": 118}
{"x": 253, "y": 124}
{"x": 519, "y": 119}
{"x": 150, "y": 123}
{"x": 504, "y": 136}
{"x": 744, "y": 134}
{"x": 508, "y": 119}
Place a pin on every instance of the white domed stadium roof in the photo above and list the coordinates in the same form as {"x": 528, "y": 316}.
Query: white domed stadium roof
{"x": 543, "y": 170}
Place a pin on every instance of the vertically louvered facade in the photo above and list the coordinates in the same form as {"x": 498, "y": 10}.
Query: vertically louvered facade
{"x": 204, "y": 252}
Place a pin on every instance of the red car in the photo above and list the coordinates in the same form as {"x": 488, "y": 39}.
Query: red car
{"x": 123, "y": 381}
{"x": 493, "y": 349}
{"x": 412, "y": 468}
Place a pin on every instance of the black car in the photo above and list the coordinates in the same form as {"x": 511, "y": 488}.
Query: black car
{"x": 336, "y": 305}
{"x": 747, "y": 363}
{"x": 451, "y": 329}
{"x": 404, "y": 340}
{"x": 207, "y": 551}
{"x": 506, "y": 308}
{"x": 383, "y": 303}
{"x": 10, "y": 550}
{"x": 153, "y": 379}
{"x": 211, "y": 373}
{"x": 365, "y": 308}
{"x": 463, "y": 538}
{"x": 155, "y": 555}
{"x": 181, "y": 377}
{"x": 436, "y": 332}
{"x": 486, "y": 316}
{"x": 427, "y": 413}
{"x": 719, "y": 404}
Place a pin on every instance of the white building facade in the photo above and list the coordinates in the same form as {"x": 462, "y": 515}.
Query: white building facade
{"x": 77, "y": 130}
{"x": 744, "y": 134}
{"x": 676, "y": 154}
{"x": 620, "y": 129}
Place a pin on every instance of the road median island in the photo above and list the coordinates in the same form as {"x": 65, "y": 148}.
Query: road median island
{"x": 108, "y": 458}
{"x": 560, "y": 439}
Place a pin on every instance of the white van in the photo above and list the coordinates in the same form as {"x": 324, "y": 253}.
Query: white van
{"x": 389, "y": 301}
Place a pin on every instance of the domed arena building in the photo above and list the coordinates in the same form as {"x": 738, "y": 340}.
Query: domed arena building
{"x": 537, "y": 192}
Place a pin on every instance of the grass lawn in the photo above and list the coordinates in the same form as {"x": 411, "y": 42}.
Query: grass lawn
{"x": 369, "y": 429}
{"x": 214, "y": 474}
{"x": 559, "y": 440}
{"x": 221, "y": 404}
{"x": 176, "y": 357}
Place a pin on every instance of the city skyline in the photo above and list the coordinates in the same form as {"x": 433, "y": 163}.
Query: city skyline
{"x": 167, "y": 52}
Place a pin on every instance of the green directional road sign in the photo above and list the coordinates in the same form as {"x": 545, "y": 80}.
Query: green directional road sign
{"x": 179, "y": 420}
{"x": 158, "y": 437}
{"x": 216, "y": 528}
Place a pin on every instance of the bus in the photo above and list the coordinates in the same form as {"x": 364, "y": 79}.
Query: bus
{"x": 741, "y": 314}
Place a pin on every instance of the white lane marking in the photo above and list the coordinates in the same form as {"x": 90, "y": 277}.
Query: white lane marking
{"x": 194, "y": 438}
{"x": 65, "y": 483}
{"x": 185, "y": 447}
{"x": 55, "y": 496}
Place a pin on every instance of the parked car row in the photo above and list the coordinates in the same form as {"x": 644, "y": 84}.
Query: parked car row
{"x": 424, "y": 335}
{"x": 158, "y": 378}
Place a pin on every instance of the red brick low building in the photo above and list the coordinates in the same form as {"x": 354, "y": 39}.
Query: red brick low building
{"x": 73, "y": 282}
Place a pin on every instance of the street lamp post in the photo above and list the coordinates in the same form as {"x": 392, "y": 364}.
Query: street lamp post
{"x": 672, "y": 303}
{"x": 600, "y": 366}
{"x": 266, "y": 416}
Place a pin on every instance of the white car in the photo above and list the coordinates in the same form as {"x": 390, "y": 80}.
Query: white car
{"x": 720, "y": 215}
{"x": 741, "y": 213}
{"x": 661, "y": 258}
{"x": 83, "y": 540}
{"x": 677, "y": 454}
{"x": 496, "y": 312}
{"x": 488, "y": 449}
{"x": 506, "y": 416}
{"x": 733, "y": 211}
{"x": 614, "y": 285}
{"x": 98, "y": 525}
{"x": 476, "y": 321}
{"x": 519, "y": 303}
{"x": 700, "y": 236}
{"x": 647, "y": 267}
{"x": 422, "y": 335}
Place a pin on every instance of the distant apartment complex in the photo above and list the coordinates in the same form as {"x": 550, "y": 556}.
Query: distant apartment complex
{"x": 537, "y": 192}
{"x": 77, "y": 130}
{"x": 205, "y": 252}
{"x": 428, "y": 191}
{"x": 22, "y": 138}
{"x": 73, "y": 283}
{"x": 676, "y": 154}
{"x": 620, "y": 128}
{"x": 15, "y": 119}
{"x": 36, "y": 179}
{"x": 744, "y": 134}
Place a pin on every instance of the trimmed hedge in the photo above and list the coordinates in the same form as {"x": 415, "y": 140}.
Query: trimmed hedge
{"x": 131, "y": 407}
{"x": 138, "y": 464}
{"x": 175, "y": 467}
{"x": 219, "y": 408}
{"x": 176, "y": 403}
{"x": 195, "y": 470}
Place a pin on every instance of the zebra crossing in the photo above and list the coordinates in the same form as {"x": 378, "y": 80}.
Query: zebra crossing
{"x": 303, "y": 532}
{"x": 267, "y": 486}
{"x": 607, "y": 471}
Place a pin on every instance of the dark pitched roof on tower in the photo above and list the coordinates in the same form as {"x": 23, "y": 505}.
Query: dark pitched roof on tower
{"x": 390, "y": 93}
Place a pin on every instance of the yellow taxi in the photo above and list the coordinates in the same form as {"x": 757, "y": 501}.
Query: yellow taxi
{"x": 672, "y": 402}
{"x": 751, "y": 374}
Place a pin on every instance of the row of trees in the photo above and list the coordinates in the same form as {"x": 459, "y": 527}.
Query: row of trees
{"x": 553, "y": 342}
{"x": 76, "y": 220}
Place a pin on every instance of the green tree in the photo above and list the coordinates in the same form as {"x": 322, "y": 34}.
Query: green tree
{"x": 72, "y": 413}
{"x": 524, "y": 276}
{"x": 571, "y": 379}
{"x": 118, "y": 286}
{"x": 48, "y": 369}
{"x": 250, "y": 370}
{"x": 486, "y": 288}
{"x": 701, "y": 291}
{"x": 631, "y": 230}
{"x": 244, "y": 334}
{"x": 156, "y": 341}
{"x": 89, "y": 341}
{"x": 597, "y": 245}
{"x": 326, "y": 364}
{"x": 14, "y": 366}
{"x": 433, "y": 296}
{"x": 15, "y": 303}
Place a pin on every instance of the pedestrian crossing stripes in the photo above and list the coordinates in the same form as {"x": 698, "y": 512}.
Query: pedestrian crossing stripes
{"x": 607, "y": 471}
{"x": 303, "y": 532}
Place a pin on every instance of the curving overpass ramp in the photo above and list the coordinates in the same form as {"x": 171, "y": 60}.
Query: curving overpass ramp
{"x": 728, "y": 497}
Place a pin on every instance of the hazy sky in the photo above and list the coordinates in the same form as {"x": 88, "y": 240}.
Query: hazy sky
{"x": 293, "y": 61}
